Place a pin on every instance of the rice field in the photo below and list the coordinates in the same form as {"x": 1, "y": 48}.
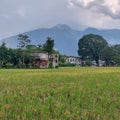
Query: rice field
{"x": 72, "y": 93}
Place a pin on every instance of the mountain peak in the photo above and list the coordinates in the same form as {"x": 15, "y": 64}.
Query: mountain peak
{"x": 62, "y": 27}
{"x": 91, "y": 29}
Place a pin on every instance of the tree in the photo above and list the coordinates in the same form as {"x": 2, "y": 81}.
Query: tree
{"x": 23, "y": 42}
{"x": 117, "y": 48}
{"x": 91, "y": 46}
{"x": 48, "y": 46}
{"x": 4, "y": 57}
{"x": 109, "y": 55}
{"x": 39, "y": 47}
{"x": 117, "y": 57}
{"x": 31, "y": 47}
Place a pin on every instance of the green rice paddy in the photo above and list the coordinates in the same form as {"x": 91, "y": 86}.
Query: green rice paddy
{"x": 72, "y": 93}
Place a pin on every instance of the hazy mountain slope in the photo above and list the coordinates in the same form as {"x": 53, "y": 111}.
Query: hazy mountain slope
{"x": 111, "y": 35}
{"x": 66, "y": 39}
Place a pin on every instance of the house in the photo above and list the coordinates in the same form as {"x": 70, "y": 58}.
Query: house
{"x": 73, "y": 60}
{"x": 45, "y": 60}
{"x": 55, "y": 59}
{"x": 101, "y": 63}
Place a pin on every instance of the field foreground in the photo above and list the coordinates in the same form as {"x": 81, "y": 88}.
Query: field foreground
{"x": 60, "y": 94}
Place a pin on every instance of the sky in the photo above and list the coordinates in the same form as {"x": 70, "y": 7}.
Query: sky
{"x": 17, "y": 16}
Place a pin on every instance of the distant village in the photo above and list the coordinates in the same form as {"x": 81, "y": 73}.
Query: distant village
{"x": 43, "y": 60}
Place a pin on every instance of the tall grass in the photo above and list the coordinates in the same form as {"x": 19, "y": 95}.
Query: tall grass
{"x": 74, "y": 93}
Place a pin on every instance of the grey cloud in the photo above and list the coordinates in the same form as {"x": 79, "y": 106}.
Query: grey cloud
{"x": 23, "y": 15}
{"x": 98, "y": 6}
{"x": 18, "y": 16}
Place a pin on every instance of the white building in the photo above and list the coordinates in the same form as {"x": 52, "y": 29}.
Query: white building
{"x": 73, "y": 60}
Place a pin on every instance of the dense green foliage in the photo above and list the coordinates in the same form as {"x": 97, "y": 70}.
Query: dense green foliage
{"x": 21, "y": 56}
{"x": 48, "y": 46}
{"x": 91, "y": 46}
{"x": 109, "y": 55}
{"x": 95, "y": 47}
{"x": 14, "y": 58}
{"x": 75, "y": 93}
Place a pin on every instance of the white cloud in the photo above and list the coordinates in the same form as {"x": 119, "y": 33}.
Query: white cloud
{"x": 107, "y": 7}
{"x": 23, "y": 15}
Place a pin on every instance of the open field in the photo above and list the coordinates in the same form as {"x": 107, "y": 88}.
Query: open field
{"x": 60, "y": 94}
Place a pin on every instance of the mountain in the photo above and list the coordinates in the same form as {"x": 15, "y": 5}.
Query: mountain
{"x": 111, "y": 35}
{"x": 66, "y": 38}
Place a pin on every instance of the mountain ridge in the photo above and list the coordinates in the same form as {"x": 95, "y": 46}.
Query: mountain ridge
{"x": 66, "y": 38}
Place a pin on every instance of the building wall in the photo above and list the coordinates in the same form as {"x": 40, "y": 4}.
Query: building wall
{"x": 43, "y": 60}
{"x": 73, "y": 60}
{"x": 41, "y": 63}
{"x": 55, "y": 60}
{"x": 40, "y": 55}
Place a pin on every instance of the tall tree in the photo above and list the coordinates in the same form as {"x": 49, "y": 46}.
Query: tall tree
{"x": 48, "y": 46}
{"x": 23, "y": 42}
{"x": 91, "y": 46}
{"x": 4, "y": 57}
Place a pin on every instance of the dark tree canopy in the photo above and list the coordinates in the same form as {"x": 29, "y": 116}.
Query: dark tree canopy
{"x": 48, "y": 46}
{"x": 3, "y": 54}
{"x": 117, "y": 48}
{"x": 109, "y": 55}
{"x": 91, "y": 46}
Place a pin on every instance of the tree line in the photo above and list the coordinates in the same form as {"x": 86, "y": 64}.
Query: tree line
{"x": 20, "y": 57}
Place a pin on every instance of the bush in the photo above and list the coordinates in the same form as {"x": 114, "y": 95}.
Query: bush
{"x": 66, "y": 64}
{"x": 9, "y": 65}
{"x": 88, "y": 63}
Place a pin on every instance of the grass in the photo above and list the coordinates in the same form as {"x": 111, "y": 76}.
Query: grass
{"x": 75, "y": 93}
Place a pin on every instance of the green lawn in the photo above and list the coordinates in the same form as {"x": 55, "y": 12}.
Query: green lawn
{"x": 75, "y": 93}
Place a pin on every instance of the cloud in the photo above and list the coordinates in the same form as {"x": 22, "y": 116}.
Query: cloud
{"x": 21, "y": 12}
{"x": 17, "y": 16}
{"x": 107, "y": 7}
